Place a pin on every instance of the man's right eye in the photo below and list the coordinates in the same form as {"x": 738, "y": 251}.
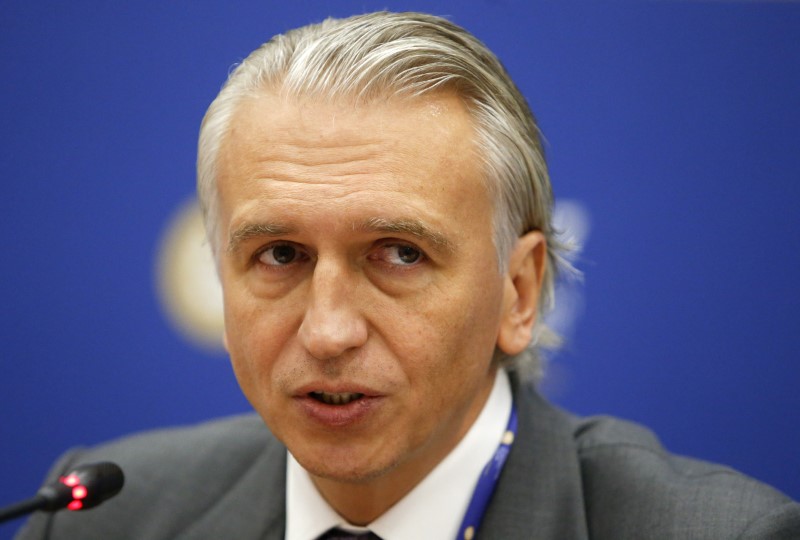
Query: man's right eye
{"x": 279, "y": 255}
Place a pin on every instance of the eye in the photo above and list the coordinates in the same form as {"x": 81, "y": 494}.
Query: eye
{"x": 281, "y": 255}
{"x": 408, "y": 254}
{"x": 399, "y": 254}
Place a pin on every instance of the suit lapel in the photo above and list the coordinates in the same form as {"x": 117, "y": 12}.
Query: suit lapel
{"x": 539, "y": 494}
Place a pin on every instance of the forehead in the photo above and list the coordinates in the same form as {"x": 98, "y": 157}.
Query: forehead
{"x": 393, "y": 155}
{"x": 267, "y": 119}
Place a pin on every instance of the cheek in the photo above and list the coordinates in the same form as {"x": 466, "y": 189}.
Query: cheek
{"x": 471, "y": 313}
{"x": 255, "y": 336}
{"x": 444, "y": 340}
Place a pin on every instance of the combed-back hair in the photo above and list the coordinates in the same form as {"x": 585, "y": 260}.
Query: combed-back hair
{"x": 379, "y": 55}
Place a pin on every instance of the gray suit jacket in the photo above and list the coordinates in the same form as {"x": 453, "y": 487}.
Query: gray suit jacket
{"x": 566, "y": 478}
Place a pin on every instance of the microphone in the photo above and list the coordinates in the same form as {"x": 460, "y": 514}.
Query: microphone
{"x": 83, "y": 487}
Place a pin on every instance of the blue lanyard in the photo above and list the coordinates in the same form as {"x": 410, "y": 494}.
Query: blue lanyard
{"x": 488, "y": 481}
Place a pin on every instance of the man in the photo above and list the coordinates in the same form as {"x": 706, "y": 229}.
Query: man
{"x": 377, "y": 202}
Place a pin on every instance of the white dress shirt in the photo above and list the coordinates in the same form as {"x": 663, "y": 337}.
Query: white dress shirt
{"x": 434, "y": 508}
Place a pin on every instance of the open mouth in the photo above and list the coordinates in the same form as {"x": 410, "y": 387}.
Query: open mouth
{"x": 342, "y": 398}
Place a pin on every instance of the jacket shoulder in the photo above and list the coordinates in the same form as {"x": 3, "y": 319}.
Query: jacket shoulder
{"x": 171, "y": 477}
{"x": 634, "y": 488}
{"x": 178, "y": 459}
{"x": 173, "y": 450}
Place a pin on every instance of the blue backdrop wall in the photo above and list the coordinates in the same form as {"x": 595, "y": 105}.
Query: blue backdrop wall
{"x": 672, "y": 132}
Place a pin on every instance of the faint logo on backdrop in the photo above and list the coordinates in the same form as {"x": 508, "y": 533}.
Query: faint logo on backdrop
{"x": 573, "y": 222}
{"x": 188, "y": 288}
{"x": 191, "y": 296}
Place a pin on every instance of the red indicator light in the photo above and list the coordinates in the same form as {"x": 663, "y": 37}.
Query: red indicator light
{"x": 79, "y": 492}
{"x": 71, "y": 480}
{"x": 75, "y": 505}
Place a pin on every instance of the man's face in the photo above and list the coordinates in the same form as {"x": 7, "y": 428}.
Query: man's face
{"x": 361, "y": 285}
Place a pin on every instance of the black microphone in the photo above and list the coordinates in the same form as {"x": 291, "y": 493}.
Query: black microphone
{"x": 83, "y": 487}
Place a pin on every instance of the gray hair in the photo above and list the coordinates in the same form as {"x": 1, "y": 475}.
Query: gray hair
{"x": 372, "y": 56}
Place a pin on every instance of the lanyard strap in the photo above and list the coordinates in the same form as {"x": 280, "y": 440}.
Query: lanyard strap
{"x": 488, "y": 481}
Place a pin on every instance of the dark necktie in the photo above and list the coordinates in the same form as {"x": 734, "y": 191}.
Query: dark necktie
{"x": 339, "y": 534}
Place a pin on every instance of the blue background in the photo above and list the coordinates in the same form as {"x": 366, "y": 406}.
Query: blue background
{"x": 675, "y": 124}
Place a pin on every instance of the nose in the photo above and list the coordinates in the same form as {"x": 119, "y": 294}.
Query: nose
{"x": 332, "y": 323}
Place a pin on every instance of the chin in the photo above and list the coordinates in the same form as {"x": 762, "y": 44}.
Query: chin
{"x": 344, "y": 466}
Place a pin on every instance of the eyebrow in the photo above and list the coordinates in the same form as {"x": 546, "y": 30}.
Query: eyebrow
{"x": 254, "y": 230}
{"x": 412, "y": 227}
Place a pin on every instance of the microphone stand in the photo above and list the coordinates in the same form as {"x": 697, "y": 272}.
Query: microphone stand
{"x": 37, "y": 502}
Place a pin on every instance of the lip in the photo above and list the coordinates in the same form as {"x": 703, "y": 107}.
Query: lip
{"x": 352, "y": 414}
{"x": 335, "y": 388}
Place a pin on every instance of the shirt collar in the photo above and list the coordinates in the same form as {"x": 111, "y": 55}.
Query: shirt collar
{"x": 434, "y": 508}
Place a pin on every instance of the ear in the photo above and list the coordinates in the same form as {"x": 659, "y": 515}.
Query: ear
{"x": 523, "y": 284}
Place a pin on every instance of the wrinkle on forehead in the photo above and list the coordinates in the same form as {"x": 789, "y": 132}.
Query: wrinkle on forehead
{"x": 280, "y": 147}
